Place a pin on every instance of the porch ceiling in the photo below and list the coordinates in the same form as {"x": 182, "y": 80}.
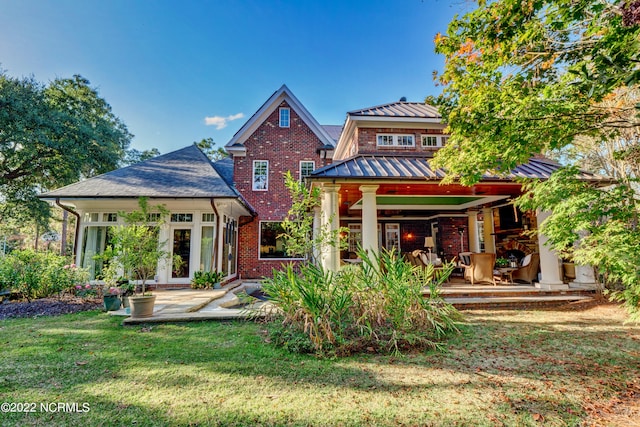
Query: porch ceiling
{"x": 412, "y": 196}
{"x": 431, "y": 203}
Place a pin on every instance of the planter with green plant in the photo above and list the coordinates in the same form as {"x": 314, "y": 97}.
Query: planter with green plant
{"x": 502, "y": 263}
{"x": 207, "y": 279}
{"x": 111, "y": 299}
{"x": 136, "y": 250}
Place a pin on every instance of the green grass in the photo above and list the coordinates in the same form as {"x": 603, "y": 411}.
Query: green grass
{"x": 512, "y": 368}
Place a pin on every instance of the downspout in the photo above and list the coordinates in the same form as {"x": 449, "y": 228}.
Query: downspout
{"x": 215, "y": 211}
{"x": 77, "y": 233}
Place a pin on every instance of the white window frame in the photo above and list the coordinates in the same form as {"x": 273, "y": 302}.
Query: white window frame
{"x": 284, "y": 120}
{"x": 313, "y": 167}
{"x": 395, "y": 140}
{"x": 435, "y": 139}
{"x": 440, "y": 140}
{"x": 255, "y": 187}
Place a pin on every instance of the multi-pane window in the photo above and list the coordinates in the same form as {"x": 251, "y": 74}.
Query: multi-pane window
{"x": 260, "y": 175}
{"x": 208, "y": 217}
{"x": 181, "y": 217}
{"x": 434, "y": 141}
{"x": 355, "y": 237}
{"x": 272, "y": 243}
{"x": 306, "y": 167}
{"x": 389, "y": 140}
{"x": 284, "y": 117}
{"x": 429, "y": 141}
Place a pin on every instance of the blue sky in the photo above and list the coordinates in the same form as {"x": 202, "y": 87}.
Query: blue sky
{"x": 167, "y": 66}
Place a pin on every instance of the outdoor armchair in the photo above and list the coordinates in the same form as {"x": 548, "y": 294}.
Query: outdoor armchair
{"x": 481, "y": 268}
{"x": 528, "y": 271}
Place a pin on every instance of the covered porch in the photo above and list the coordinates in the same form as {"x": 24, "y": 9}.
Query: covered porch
{"x": 399, "y": 202}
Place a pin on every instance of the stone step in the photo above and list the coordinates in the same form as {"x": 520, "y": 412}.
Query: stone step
{"x": 517, "y": 302}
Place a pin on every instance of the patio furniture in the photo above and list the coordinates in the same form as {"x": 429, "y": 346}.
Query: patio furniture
{"x": 506, "y": 274}
{"x": 480, "y": 269}
{"x": 464, "y": 259}
{"x": 528, "y": 271}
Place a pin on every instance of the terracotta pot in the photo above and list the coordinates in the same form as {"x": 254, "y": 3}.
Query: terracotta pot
{"x": 142, "y": 306}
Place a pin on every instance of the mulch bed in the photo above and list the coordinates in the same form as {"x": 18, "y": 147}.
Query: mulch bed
{"x": 48, "y": 307}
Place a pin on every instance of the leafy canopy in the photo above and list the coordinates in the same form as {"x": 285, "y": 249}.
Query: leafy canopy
{"x": 522, "y": 77}
{"x": 529, "y": 77}
{"x": 50, "y": 136}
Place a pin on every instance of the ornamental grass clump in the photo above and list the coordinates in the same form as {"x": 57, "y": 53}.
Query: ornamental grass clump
{"x": 379, "y": 306}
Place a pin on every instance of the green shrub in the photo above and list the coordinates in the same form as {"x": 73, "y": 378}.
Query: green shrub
{"x": 39, "y": 274}
{"x": 206, "y": 279}
{"x": 378, "y": 306}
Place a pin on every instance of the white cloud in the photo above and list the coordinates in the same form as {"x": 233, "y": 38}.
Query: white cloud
{"x": 221, "y": 122}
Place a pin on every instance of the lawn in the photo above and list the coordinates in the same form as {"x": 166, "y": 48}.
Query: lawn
{"x": 512, "y": 368}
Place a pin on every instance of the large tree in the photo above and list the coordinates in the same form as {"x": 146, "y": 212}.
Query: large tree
{"x": 52, "y": 135}
{"x": 526, "y": 77}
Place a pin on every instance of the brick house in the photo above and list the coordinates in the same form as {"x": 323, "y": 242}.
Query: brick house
{"x": 375, "y": 178}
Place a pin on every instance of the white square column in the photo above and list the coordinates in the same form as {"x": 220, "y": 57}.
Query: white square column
{"x": 330, "y": 220}
{"x": 550, "y": 264}
{"x": 369, "y": 218}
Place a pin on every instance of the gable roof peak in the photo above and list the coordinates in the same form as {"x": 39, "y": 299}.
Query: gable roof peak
{"x": 274, "y": 101}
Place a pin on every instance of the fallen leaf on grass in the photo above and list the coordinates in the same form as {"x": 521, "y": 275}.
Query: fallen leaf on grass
{"x": 538, "y": 417}
{"x": 81, "y": 362}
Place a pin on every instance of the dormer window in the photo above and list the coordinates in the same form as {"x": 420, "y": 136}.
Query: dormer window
{"x": 284, "y": 117}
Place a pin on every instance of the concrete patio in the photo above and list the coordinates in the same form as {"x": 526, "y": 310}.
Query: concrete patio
{"x": 186, "y": 305}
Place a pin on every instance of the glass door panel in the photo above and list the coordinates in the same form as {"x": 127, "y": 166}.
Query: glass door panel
{"x": 182, "y": 249}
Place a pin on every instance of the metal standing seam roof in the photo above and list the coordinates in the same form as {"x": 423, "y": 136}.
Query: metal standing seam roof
{"x": 399, "y": 109}
{"x": 185, "y": 173}
{"x": 417, "y": 167}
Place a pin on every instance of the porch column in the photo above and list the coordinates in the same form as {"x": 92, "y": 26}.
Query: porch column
{"x": 585, "y": 277}
{"x": 330, "y": 222}
{"x": 474, "y": 243}
{"x": 317, "y": 224}
{"x": 489, "y": 241}
{"x": 369, "y": 218}
{"x": 550, "y": 264}
{"x": 585, "y": 274}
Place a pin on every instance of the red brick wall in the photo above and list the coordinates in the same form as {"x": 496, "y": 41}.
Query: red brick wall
{"x": 449, "y": 237}
{"x": 284, "y": 148}
{"x": 367, "y": 140}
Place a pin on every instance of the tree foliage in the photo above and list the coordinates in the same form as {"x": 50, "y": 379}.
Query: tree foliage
{"x": 522, "y": 77}
{"x": 135, "y": 246}
{"x": 301, "y": 240}
{"x": 134, "y": 156}
{"x": 528, "y": 77}
{"x": 209, "y": 148}
{"x": 50, "y": 136}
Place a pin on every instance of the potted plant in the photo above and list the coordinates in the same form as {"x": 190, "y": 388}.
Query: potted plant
{"x": 127, "y": 289}
{"x": 135, "y": 249}
{"x": 207, "y": 279}
{"x": 111, "y": 299}
{"x": 502, "y": 262}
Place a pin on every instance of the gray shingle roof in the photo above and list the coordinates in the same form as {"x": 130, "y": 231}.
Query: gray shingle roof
{"x": 399, "y": 109}
{"x": 185, "y": 173}
{"x": 417, "y": 167}
{"x": 334, "y": 131}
